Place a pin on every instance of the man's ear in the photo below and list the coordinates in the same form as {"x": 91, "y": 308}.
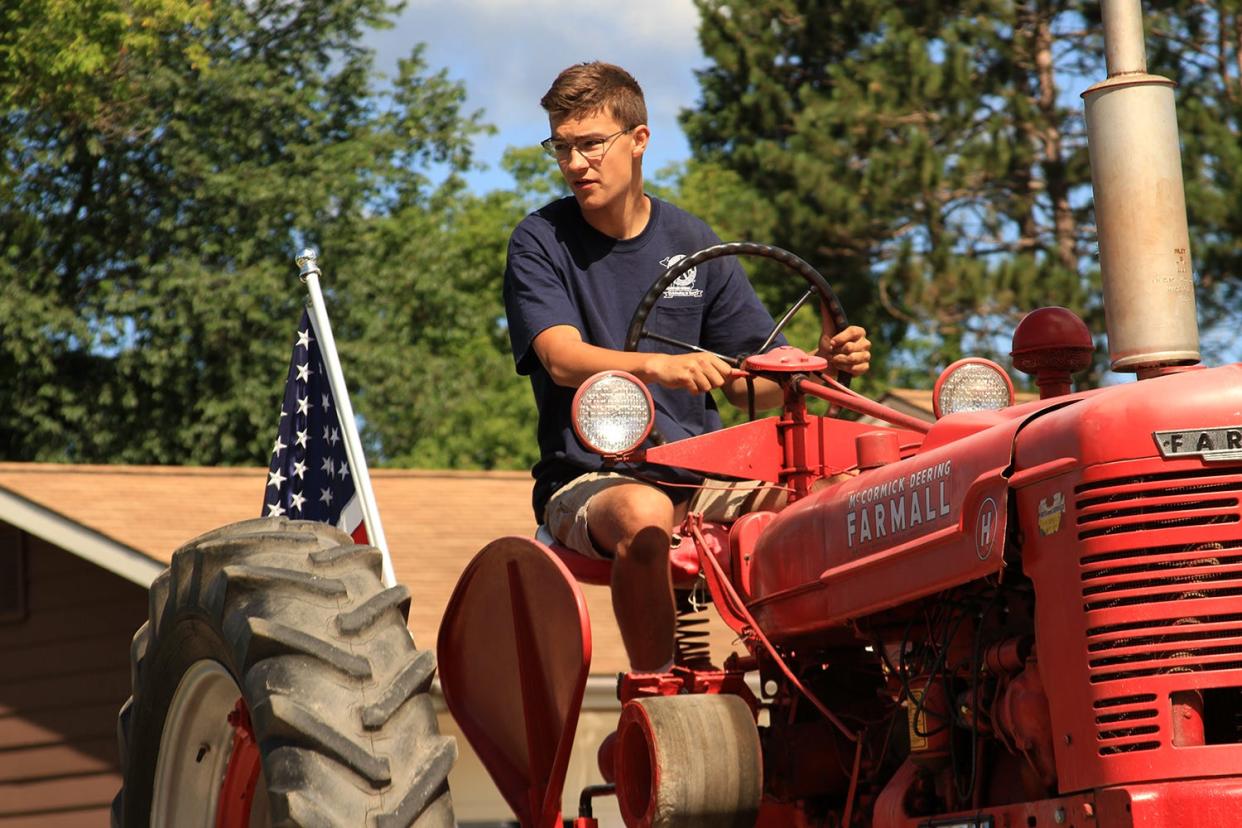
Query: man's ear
{"x": 640, "y": 136}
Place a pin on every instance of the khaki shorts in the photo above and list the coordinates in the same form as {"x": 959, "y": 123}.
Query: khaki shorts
{"x": 718, "y": 501}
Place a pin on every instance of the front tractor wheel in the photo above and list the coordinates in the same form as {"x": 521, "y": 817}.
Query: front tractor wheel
{"x": 690, "y": 761}
{"x": 275, "y": 684}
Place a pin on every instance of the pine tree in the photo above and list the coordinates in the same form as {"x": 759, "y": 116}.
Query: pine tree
{"x": 931, "y": 157}
{"x": 1199, "y": 45}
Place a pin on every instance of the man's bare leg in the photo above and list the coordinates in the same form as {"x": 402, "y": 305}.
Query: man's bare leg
{"x": 635, "y": 523}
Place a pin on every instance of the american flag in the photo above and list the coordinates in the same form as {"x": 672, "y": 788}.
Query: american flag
{"x": 310, "y": 477}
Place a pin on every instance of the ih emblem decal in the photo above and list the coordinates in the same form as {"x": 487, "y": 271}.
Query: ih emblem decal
{"x": 986, "y": 525}
{"x": 1050, "y": 511}
{"x": 1212, "y": 444}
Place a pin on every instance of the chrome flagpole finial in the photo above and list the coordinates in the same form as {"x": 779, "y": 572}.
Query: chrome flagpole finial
{"x": 308, "y": 263}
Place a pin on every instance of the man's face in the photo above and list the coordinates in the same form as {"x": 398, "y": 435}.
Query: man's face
{"x": 597, "y": 183}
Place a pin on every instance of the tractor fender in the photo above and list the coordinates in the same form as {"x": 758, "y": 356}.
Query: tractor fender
{"x": 514, "y": 651}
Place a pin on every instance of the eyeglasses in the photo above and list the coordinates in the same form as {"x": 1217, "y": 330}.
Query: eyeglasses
{"x": 592, "y": 149}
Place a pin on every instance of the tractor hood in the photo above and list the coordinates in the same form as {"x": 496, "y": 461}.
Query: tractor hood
{"x": 1120, "y": 422}
{"x": 938, "y": 518}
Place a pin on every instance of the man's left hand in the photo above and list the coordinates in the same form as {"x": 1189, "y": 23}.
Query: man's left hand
{"x": 848, "y": 351}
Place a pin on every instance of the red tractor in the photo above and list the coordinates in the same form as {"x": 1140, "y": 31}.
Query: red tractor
{"x": 1022, "y": 615}
{"x": 1019, "y": 616}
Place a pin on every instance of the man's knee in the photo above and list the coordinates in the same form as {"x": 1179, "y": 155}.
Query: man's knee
{"x": 633, "y": 522}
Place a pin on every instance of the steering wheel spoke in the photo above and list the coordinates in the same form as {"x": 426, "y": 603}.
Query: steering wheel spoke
{"x": 784, "y": 320}
{"x": 736, "y": 362}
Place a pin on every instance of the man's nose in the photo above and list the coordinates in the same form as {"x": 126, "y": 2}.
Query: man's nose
{"x": 576, "y": 161}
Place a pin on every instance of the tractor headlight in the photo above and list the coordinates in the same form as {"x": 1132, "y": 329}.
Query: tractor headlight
{"x": 972, "y": 384}
{"x": 613, "y": 413}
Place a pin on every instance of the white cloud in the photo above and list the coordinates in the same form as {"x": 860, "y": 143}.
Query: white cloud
{"x": 653, "y": 19}
{"x": 508, "y": 51}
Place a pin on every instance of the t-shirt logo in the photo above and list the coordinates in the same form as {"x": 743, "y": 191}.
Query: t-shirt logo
{"x": 683, "y": 285}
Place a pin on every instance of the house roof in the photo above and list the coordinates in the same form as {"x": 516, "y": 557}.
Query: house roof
{"x": 130, "y": 519}
{"x": 913, "y": 399}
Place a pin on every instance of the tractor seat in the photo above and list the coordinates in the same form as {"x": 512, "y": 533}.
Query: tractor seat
{"x": 683, "y": 559}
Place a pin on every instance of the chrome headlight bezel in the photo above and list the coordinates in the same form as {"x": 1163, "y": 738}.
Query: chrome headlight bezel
{"x": 612, "y": 413}
{"x": 972, "y": 384}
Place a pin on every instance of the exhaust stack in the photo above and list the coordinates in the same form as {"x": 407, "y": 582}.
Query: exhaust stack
{"x": 1140, "y": 204}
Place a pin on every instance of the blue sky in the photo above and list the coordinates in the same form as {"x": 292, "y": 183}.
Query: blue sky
{"x": 508, "y": 51}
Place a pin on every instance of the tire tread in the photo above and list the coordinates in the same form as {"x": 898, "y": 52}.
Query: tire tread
{"x": 269, "y": 637}
{"x": 274, "y": 577}
{"x": 414, "y": 679}
{"x": 371, "y": 611}
{"x": 338, "y": 694}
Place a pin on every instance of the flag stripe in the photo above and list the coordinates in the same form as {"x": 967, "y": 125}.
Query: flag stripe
{"x": 351, "y": 522}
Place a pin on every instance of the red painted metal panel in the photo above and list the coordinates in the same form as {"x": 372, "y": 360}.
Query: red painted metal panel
{"x": 514, "y": 652}
{"x": 752, "y": 451}
{"x": 1116, "y": 423}
{"x": 887, "y": 536}
{"x": 241, "y": 774}
{"x": 1137, "y": 567}
{"x": 1188, "y": 803}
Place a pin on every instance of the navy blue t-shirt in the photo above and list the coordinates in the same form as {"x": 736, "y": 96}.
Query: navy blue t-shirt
{"x": 562, "y": 271}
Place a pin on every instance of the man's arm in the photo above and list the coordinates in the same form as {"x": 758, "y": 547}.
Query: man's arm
{"x": 570, "y": 362}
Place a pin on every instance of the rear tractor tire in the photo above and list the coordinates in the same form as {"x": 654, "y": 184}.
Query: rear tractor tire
{"x": 274, "y": 651}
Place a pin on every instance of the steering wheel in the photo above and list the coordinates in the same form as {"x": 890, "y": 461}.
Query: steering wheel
{"x": 818, "y": 284}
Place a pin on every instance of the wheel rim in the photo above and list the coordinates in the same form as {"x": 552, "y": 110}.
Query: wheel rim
{"x": 194, "y": 750}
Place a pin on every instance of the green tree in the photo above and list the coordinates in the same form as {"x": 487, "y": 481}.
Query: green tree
{"x": 432, "y": 364}
{"x": 156, "y": 183}
{"x": 1199, "y": 44}
{"x": 76, "y": 57}
{"x": 929, "y": 157}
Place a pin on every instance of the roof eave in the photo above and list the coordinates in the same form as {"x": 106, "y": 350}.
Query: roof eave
{"x": 72, "y": 536}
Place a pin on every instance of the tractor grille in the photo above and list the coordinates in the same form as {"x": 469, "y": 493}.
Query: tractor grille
{"x": 1126, "y": 724}
{"x": 1169, "y": 546}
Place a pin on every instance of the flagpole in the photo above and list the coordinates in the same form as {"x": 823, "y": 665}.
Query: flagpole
{"x": 308, "y": 270}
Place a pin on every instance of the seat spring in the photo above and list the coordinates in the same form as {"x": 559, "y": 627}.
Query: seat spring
{"x": 692, "y": 648}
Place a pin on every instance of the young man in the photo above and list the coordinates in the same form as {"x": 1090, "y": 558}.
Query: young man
{"x": 576, "y": 271}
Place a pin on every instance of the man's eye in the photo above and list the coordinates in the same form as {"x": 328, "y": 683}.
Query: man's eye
{"x": 590, "y": 144}
{"x": 560, "y": 147}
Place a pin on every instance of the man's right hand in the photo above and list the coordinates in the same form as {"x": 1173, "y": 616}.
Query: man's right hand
{"x": 695, "y": 372}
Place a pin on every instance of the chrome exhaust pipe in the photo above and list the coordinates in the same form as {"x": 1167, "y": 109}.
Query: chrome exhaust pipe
{"x": 1140, "y": 203}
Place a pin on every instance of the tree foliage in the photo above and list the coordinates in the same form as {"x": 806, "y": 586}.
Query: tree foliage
{"x": 931, "y": 157}
{"x": 77, "y": 58}
{"x": 1199, "y": 44}
{"x": 433, "y": 367}
{"x": 162, "y": 163}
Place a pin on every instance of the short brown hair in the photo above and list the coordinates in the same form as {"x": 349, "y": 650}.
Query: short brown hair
{"x": 586, "y": 88}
